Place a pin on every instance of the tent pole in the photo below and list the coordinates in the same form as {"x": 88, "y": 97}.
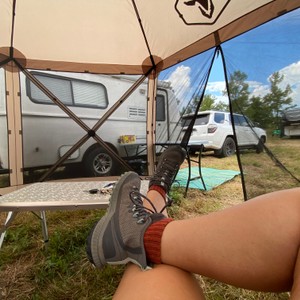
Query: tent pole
{"x": 14, "y": 124}
{"x": 233, "y": 126}
{"x": 151, "y": 121}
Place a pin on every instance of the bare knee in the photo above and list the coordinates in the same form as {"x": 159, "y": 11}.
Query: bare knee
{"x": 161, "y": 282}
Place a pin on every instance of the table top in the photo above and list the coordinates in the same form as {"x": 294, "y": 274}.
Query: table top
{"x": 59, "y": 196}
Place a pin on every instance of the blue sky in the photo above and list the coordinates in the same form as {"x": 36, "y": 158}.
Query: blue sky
{"x": 274, "y": 46}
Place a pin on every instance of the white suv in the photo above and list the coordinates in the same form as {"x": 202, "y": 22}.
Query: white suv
{"x": 214, "y": 128}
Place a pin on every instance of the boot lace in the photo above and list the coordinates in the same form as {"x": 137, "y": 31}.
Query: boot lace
{"x": 141, "y": 212}
{"x": 167, "y": 171}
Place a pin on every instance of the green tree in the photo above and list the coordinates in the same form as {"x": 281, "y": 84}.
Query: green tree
{"x": 258, "y": 111}
{"x": 191, "y": 107}
{"x": 221, "y": 106}
{"x": 208, "y": 103}
{"x": 278, "y": 99}
{"x": 239, "y": 91}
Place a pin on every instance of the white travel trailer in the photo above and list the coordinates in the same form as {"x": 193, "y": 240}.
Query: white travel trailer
{"x": 291, "y": 123}
{"x": 48, "y": 133}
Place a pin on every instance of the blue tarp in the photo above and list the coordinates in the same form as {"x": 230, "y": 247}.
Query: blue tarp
{"x": 212, "y": 177}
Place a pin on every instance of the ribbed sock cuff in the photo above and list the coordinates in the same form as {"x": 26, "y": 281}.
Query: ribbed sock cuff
{"x": 152, "y": 240}
{"x": 159, "y": 189}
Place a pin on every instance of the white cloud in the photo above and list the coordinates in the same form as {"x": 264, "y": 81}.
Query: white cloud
{"x": 292, "y": 73}
{"x": 180, "y": 81}
{"x": 257, "y": 89}
{"x": 216, "y": 87}
{"x": 292, "y": 77}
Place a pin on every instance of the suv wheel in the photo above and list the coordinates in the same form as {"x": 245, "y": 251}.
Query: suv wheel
{"x": 260, "y": 145}
{"x": 228, "y": 147}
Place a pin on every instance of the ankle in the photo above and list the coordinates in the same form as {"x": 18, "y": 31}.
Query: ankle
{"x": 152, "y": 240}
{"x": 158, "y": 189}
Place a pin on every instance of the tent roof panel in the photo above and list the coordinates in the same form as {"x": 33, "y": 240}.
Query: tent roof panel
{"x": 107, "y": 37}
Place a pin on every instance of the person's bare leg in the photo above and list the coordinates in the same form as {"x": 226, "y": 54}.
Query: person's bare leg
{"x": 295, "y": 293}
{"x": 162, "y": 281}
{"x": 253, "y": 245}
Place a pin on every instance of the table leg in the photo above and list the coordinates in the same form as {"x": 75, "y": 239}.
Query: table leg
{"x": 42, "y": 217}
{"x": 10, "y": 217}
{"x": 44, "y": 227}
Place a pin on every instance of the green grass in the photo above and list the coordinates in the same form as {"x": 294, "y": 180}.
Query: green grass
{"x": 29, "y": 270}
{"x": 4, "y": 180}
{"x": 60, "y": 271}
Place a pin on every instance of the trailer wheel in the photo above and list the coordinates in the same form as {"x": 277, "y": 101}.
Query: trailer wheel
{"x": 99, "y": 163}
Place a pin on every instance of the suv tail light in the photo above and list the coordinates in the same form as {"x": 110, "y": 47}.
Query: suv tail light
{"x": 212, "y": 128}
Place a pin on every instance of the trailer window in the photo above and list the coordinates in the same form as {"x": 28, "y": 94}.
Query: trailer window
{"x": 70, "y": 91}
{"x": 160, "y": 108}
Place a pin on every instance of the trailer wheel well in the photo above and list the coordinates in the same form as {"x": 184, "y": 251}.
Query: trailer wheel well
{"x": 98, "y": 162}
{"x": 94, "y": 146}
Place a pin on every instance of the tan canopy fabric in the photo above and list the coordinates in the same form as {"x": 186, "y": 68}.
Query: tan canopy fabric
{"x": 123, "y": 36}
{"x": 136, "y": 37}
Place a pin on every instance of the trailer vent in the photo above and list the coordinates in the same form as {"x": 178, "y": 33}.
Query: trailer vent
{"x": 136, "y": 113}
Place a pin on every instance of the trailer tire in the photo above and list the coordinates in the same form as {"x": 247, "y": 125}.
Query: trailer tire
{"x": 99, "y": 163}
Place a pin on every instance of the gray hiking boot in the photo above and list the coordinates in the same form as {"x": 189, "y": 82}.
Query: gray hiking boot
{"x": 167, "y": 167}
{"x": 118, "y": 237}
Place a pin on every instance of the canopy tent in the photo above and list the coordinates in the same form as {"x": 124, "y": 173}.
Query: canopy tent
{"x": 116, "y": 37}
{"x": 123, "y": 36}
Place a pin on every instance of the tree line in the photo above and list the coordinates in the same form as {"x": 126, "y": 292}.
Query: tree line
{"x": 265, "y": 110}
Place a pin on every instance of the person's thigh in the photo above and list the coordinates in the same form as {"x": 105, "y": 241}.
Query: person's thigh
{"x": 295, "y": 294}
{"x": 162, "y": 282}
{"x": 253, "y": 245}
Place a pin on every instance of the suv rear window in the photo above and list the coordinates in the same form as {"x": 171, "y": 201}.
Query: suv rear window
{"x": 201, "y": 120}
{"x": 219, "y": 118}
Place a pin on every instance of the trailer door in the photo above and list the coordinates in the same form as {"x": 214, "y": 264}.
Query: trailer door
{"x": 162, "y": 128}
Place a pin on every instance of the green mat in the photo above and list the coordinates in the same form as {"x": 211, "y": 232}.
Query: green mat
{"x": 212, "y": 177}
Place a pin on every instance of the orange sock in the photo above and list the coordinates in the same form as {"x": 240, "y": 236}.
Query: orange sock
{"x": 152, "y": 240}
{"x": 159, "y": 189}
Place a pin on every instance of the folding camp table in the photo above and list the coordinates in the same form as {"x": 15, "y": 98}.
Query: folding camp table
{"x": 43, "y": 196}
